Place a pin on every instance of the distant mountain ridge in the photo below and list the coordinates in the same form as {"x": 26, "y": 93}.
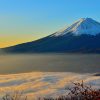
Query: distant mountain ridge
{"x": 81, "y": 37}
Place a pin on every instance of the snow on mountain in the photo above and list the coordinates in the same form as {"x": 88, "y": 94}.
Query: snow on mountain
{"x": 82, "y": 26}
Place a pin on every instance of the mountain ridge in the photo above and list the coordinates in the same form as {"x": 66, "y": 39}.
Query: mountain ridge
{"x": 68, "y": 42}
{"x": 82, "y": 26}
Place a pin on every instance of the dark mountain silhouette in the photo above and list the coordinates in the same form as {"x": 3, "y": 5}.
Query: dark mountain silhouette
{"x": 81, "y": 37}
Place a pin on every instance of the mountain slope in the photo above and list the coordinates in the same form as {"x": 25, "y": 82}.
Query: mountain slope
{"x": 82, "y": 36}
{"x": 83, "y": 26}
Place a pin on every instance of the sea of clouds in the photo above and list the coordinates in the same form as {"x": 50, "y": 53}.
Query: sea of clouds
{"x": 40, "y": 84}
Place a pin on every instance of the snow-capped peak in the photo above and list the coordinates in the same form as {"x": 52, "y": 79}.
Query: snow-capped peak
{"x": 82, "y": 26}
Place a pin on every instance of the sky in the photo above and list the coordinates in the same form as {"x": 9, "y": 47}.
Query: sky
{"x": 27, "y": 20}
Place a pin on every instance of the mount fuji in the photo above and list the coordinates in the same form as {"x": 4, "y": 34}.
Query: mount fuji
{"x": 81, "y": 37}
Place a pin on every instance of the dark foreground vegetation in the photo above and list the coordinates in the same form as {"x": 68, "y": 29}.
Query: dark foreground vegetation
{"x": 79, "y": 91}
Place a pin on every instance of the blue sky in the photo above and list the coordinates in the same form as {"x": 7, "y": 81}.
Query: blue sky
{"x": 26, "y": 20}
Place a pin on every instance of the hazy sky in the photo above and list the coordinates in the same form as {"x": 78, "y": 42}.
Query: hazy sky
{"x": 26, "y": 20}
